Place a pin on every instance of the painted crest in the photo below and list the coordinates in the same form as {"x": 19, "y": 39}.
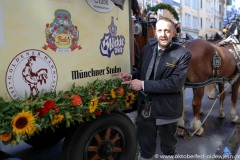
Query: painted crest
{"x": 29, "y": 73}
{"x": 62, "y": 36}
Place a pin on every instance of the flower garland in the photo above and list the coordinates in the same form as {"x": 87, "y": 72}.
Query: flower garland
{"x": 19, "y": 120}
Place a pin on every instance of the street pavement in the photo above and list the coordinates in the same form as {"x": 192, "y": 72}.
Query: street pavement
{"x": 222, "y": 137}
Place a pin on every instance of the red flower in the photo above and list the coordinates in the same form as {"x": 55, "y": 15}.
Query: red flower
{"x": 42, "y": 111}
{"x": 76, "y": 100}
{"x": 56, "y": 109}
{"x": 102, "y": 98}
{"x": 49, "y": 104}
{"x": 98, "y": 112}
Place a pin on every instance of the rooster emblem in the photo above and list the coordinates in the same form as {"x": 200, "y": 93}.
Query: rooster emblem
{"x": 34, "y": 78}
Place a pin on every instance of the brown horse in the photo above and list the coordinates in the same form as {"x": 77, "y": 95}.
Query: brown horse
{"x": 205, "y": 69}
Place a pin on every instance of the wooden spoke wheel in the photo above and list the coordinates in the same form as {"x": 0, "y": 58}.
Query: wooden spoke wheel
{"x": 109, "y": 137}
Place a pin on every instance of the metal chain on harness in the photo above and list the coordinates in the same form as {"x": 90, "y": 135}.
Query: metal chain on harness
{"x": 216, "y": 64}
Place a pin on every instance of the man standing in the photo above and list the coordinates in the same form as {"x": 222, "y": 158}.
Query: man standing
{"x": 159, "y": 79}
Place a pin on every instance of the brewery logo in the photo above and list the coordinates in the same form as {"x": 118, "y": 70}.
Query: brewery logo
{"x": 29, "y": 73}
{"x": 111, "y": 42}
{"x": 62, "y": 36}
{"x": 101, "y": 6}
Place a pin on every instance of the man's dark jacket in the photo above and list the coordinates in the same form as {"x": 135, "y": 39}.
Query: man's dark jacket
{"x": 166, "y": 90}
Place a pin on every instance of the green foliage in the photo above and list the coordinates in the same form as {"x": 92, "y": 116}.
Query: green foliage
{"x": 101, "y": 91}
{"x": 167, "y": 7}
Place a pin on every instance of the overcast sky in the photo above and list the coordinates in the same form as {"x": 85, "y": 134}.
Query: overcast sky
{"x": 237, "y": 3}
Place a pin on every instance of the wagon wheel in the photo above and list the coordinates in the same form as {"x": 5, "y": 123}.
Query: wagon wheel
{"x": 109, "y": 137}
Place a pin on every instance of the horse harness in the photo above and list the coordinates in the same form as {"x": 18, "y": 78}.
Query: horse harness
{"x": 216, "y": 63}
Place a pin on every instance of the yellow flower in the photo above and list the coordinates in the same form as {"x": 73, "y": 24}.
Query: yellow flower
{"x": 57, "y": 118}
{"x": 32, "y": 130}
{"x": 113, "y": 93}
{"x": 93, "y": 105}
{"x": 23, "y": 122}
{"x": 129, "y": 99}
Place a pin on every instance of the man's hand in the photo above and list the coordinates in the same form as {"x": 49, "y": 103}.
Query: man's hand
{"x": 123, "y": 76}
{"x": 135, "y": 84}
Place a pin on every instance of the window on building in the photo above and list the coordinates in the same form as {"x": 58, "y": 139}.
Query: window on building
{"x": 215, "y": 23}
{"x": 195, "y": 4}
{"x": 229, "y": 2}
{"x": 195, "y": 22}
{"x": 187, "y": 20}
{"x": 201, "y": 23}
{"x": 188, "y": 2}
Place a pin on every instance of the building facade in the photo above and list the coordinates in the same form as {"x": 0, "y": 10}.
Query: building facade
{"x": 199, "y": 18}
{"x": 202, "y": 18}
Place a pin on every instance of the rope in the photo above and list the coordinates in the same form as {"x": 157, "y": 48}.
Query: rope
{"x": 211, "y": 109}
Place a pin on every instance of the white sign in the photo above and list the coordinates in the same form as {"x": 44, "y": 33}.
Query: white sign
{"x": 177, "y": 1}
{"x": 1, "y": 26}
{"x": 31, "y": 72}
{"x": 102, "y": 6}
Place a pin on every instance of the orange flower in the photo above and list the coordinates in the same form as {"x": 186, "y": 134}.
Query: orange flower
{"x": 5, "y": 137}
{"x": 76, "y": 100}
{"x": 120, "y": 91}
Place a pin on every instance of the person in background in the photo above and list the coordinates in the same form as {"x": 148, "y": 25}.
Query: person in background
{"x": 178, "y": 32}
{"x": 153, "y": 16}
{"x": 178, "y": 29}
{"x": 159, "y": 79}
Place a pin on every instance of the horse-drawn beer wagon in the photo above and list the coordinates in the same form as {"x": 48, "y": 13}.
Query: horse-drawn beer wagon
{"x": 55, "y": 72}
{"x": 57, "y": 57}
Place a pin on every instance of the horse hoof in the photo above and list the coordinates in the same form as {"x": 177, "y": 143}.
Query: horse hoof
{"x": 201, "y": 135}
{"x": 180, "y": 131}
{"x": 183, "y": 133}
{"x": 221, "y": 117}
{"x": 211, "y": 98}
{"x": 200, "y": 132}
{"x": 236, "y": 122}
